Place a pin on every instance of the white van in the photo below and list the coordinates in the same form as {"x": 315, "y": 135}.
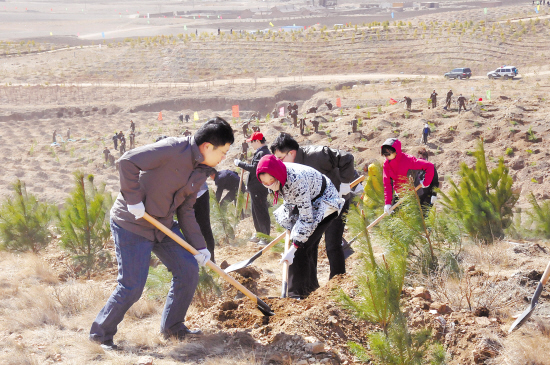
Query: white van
{"x": 505, "y": 72}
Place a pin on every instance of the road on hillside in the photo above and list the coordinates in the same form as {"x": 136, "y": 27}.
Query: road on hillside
{"x": 272, "y": 80}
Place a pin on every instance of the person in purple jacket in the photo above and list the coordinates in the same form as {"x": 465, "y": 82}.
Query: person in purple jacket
{"x": 162, "y": 179}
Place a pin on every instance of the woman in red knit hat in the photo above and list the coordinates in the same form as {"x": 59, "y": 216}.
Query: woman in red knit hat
{"x": 311, "y": 202}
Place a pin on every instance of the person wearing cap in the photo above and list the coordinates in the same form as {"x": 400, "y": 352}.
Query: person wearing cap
{"x": 258, "y": 193}
{"x": 311, "y": 203}
{"x": 338, "y": 166}
{"x": 461, "y": 103}
{"x": 396, "y": 169}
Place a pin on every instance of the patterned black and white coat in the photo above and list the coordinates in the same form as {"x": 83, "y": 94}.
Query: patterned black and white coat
{"x": 304, "y": 183}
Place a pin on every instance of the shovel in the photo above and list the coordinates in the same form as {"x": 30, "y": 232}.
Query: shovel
{"x": 245, "y": 263}
{"x": 525, "y": 315}
{"x": 348, "y": 250}
{"x": 261, "y": 305}
{"x": 284, "y": 289}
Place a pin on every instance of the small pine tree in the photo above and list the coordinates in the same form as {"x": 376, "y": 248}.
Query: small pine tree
{"x": 539, "y": 217}
{"x": 483, "y": 200}
{"x": 84, "y": 222}
{"x": 24, "y": 221}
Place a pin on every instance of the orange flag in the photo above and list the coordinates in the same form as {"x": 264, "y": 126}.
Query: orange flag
{"x": 393, "y": 101}
{"x": 160, "y": 116}
{"x": 338, "y": 102}
{"x": 235, "y": 111}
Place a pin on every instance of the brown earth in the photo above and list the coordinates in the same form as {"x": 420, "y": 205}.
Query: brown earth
{"x": 45, "y": 310}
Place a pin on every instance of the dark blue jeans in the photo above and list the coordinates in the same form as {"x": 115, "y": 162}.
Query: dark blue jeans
{"x": 133, "y": 253}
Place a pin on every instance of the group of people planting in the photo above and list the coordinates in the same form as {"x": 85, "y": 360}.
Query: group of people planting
{"x": 163, "y": 180}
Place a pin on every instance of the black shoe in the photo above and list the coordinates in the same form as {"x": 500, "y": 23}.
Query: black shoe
{"x": 109, "y": 345}
{"x": 180, "y": 335}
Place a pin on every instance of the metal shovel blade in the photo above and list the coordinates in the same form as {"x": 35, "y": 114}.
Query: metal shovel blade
{"x": 264, "y": 308}
{"x": 527, "y": 313}
{"x": 245, "y": 263}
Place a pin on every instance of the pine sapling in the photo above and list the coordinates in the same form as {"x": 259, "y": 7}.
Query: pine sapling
{"x": 24, "y": 221}
{"x": 84, "y": 223}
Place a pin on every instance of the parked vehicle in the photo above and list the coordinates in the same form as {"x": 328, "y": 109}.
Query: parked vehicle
{"x": 459, "y": 73}
{"x": 505, "y": 72}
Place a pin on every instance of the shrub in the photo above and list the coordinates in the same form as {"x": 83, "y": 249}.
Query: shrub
{"x": 539, "y": 217}
{"x": 509, "y": 151}
{"x": 84, "y": 223}
{"x": 24, "y": 221}
{"x": 483, "y": 200}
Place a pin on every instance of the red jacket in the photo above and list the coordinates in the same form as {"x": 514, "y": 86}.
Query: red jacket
{"x": 395, "y": 171}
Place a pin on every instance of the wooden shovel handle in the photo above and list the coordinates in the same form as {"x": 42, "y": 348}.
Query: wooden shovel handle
{"x": 194, "y": 251}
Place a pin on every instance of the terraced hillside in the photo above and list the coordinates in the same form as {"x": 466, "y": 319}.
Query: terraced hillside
{"x": 427, "y": 46}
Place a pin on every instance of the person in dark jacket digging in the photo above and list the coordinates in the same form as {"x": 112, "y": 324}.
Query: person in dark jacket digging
{"x": 161, "y": 179}
{"x": 258, "y": 193}
{"x": 338, "y": 166}
{"x": 227, "y": 180}
{"x": 311, "y": 203}
{"x": 427, "y": 196}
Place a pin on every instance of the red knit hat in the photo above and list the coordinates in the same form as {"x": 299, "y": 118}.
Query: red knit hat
{"x": 274, "y": 167}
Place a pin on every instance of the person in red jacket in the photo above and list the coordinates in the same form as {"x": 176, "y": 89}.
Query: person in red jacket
{"x": 396, "y": 168}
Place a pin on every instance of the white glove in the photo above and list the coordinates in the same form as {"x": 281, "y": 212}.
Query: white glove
{"x": 434, "y": 198}
{"x": 203, "y": 256}
{"x": 358, "y": 188}
{"x": 138, "y": 210}
{"x": 422, "y": 183}
{"x": 237, "y": 162}
{"x": 387, "y": 208}
{"x": 288, "y": 256}
{"x": 344, "y": 189}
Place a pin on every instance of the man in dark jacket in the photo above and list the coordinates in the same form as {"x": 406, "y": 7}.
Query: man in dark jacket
{"x": 258, "y": 192}
{"x": 461, "y": 103}
{"x": 337, "y": 165}
{"x": 115, "y": 140}
{"x": 227, "y": 180}
{"x": 433, "y": 97}
{"x": 448, "y": 100}
{"x": 408, "y": 101}
{"x": 161, "y": 179}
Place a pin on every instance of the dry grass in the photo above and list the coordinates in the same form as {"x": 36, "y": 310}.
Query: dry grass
{"x": 530, "y": 345}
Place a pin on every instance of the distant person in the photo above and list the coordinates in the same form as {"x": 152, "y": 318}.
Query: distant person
{"x": 187, "y": 117}
{"x": 68, "y": 134}
{"x": 106, "y": 152}
{"x": 425, "y": 133}
{"x": 122, "y": 146}
{"x": 408, "y": 102}
{"x": 132, "y": 126}
{"x": 112, "y": 160}
{"x": 461, "y": 103}
{"x": 302, "y": 126}
{"x": 354, "y": 125}
{"x": 187, "y": 133}
{"x": 448, "y": 100}
{"x": 132, "y": 137}
{"x": 245, "y": 129}
{"x": 433, "y": 97}
{"x": 294, "y": 115}
{"x": 315, "y": 124}
{"x": 54, "y": 139}
{"x": 120, "y": 136}
{"x": 115, "y": 141}
{"x": 181, "y": 118}
{"x": 329, "y": 105}
{"x": 218, "y": 31}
